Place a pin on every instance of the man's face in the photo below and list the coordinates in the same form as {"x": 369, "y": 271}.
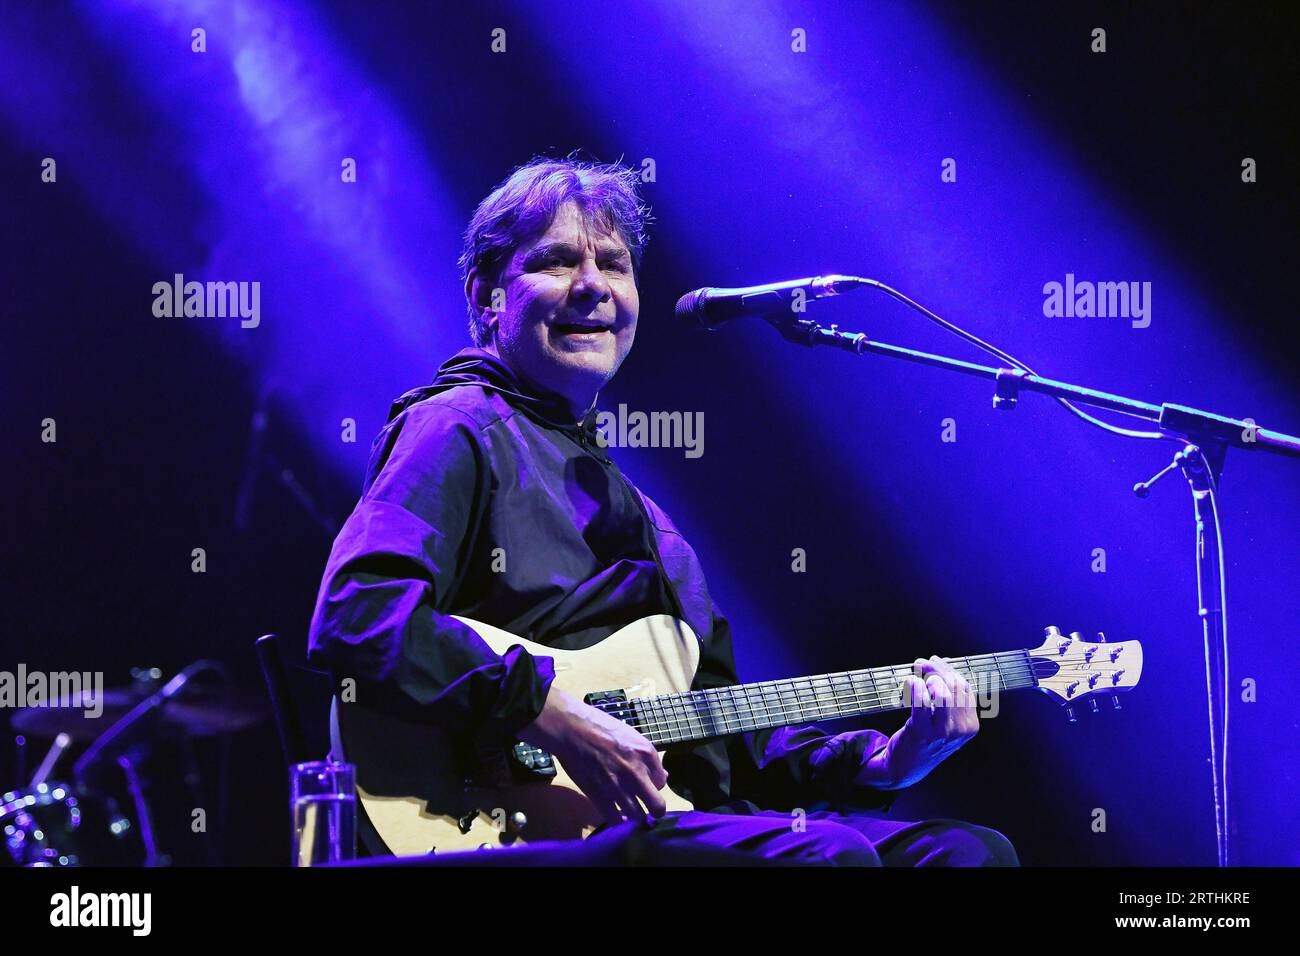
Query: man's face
{"x": 571, "y": 305}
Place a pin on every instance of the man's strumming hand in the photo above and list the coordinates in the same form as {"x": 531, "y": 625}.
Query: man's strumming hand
{"x": 614, "y": 765}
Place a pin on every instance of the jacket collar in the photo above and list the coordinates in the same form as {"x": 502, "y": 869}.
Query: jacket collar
{"x": 475, "y": 366}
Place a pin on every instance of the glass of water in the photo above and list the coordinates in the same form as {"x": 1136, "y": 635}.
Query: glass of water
{"x": 323, "y": 801}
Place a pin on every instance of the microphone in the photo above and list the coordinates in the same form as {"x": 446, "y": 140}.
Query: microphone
{"x": 711, "y": 307}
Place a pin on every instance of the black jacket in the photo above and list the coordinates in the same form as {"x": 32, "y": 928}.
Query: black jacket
{"x": 483, "y": 499}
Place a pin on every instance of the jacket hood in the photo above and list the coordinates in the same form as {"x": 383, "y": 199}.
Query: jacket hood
{"x": 480, "y": 368}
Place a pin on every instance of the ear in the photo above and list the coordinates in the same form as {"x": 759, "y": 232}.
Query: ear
{"x": 478, "y": 292}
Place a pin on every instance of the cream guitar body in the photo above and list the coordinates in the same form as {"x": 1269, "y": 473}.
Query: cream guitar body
{"x": 466, "y": 800}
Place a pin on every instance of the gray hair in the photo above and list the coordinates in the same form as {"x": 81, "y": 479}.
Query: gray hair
{"x": 523, "y": 206}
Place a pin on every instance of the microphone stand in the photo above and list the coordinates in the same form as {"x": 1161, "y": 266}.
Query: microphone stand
{"x": 1207, "y": 437}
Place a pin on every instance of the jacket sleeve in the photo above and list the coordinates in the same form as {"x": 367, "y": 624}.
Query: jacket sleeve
{"x": 788, "y": 767}
{"x": 382, "y": 616}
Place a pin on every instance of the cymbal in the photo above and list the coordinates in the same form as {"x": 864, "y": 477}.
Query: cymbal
{"x": 194, "y": 713}
{"x": 71, "y": 715}
{"x": 202, "y": 714}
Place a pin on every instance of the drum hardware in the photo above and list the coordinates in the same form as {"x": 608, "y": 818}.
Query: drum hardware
{"x": 75, "y": 822}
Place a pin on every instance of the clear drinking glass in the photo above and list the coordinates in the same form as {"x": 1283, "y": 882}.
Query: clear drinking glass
{"x": 323, "y": 802}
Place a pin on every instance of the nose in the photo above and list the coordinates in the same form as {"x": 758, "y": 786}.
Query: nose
{"x": 590, "y": 286}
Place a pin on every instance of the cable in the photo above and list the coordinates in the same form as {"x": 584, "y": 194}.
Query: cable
{"x": 1015, "y": 363}
{"x": 1213, "y": 494}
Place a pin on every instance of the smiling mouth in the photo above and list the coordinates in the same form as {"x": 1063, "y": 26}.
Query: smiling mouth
{"x": 580, "y": 328}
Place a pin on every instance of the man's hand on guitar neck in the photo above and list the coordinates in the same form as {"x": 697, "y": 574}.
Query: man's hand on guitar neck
{"x": 943, "y": 718}
{"x": 614, "y": 765}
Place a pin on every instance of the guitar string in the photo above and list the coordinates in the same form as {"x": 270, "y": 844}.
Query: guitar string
{"x": 661, "y": 720}
{"x": 670, "y": 713}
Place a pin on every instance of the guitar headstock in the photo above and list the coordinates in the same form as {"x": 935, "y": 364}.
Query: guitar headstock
{"x": 1085, "y": 670}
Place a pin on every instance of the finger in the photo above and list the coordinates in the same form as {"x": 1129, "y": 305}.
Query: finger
{"x": 932, "y": 670}
{"x": 943, "y": 667}
{"x": 967, "y": 706}
{"x": 914, "y": 692}
{"x": 968, "y": 710}
{"x": 941, "y": 711}
{"x": 939, "y": 690}
{"x": 654, "y": 801}
{"x": 931, "y": 665}
{"x": 607, "y": 808}
{"x": 603, "y": 796}
{"x": 631, "y": 807}
{"x": 964, "y": 694}
{"x": 655, "y": 766}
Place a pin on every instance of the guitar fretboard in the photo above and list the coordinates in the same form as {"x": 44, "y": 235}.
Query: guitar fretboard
{"x": 719, "y": 711}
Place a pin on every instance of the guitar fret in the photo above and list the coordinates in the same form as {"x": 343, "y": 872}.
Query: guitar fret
{"x": 683, "y": 716}
{"x": 785, "y": 689}
{"x": 791, "y": 709}
{"x": 714, "y": 710}
{"x": 735, "y": 709}
{"x": 694, "y": 718}
{"x": 807, "y": 712}
{"x": 749, "y": 703}
{"x": 768, "y": 711}
{"x": 814, "y": 711}
{"x": 848, "y": 695}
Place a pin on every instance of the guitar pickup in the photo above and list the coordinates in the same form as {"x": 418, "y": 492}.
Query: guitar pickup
{"x": 531, "y": 762}
{"x": 614, "y": 703}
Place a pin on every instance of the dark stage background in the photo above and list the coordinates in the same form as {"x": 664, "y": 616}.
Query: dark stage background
{"x": 768, "y": 163}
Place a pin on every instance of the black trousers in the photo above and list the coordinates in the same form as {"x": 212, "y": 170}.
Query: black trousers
{"x": 828, "y": 838}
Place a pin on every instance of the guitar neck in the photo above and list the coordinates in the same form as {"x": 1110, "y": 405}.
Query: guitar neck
{"x": 719, "y": 711}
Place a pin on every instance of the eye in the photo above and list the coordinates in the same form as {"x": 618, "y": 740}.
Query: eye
{"x": 546, "y": 261}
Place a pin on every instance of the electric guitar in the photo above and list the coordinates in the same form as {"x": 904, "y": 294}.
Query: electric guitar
{"x": 426, "y": 787}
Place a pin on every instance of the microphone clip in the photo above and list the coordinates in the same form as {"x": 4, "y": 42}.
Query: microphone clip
{"x": 794, "y": 329}
{"x": 1006, "y": 391}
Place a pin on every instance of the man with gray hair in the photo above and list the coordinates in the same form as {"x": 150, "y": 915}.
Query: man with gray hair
{"x": 488, "y": 497}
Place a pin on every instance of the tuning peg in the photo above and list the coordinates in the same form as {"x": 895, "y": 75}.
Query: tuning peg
{"x": 1076, "y": 635}
{"x": 1093, "y": 701}
{"x": 1052, "y": 631}
{"x": 1069, "y": 713}
{"x": 1101, "y": 637}
{"x": 1114, "y": 699}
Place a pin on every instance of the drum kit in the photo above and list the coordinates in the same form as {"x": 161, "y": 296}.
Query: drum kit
{"x": 97, "y": 813}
